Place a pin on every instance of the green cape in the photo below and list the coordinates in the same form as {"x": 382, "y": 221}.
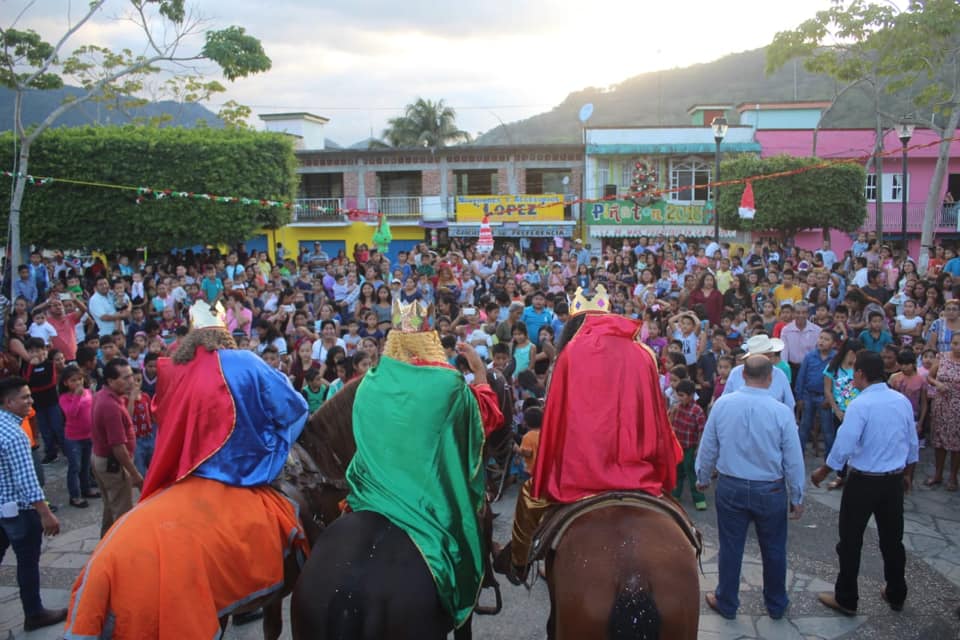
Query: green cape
{"x": 419, "y": 463}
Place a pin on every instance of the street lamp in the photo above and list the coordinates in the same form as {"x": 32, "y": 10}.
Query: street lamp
{"x": 904, "y": 132}
{"x": 719, "y": 132}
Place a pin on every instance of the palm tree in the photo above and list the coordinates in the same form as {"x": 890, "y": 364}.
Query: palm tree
{"x": 425, "y": 124}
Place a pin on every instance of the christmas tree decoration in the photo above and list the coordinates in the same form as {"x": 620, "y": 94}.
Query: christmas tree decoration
{"x": 644, "y": 189}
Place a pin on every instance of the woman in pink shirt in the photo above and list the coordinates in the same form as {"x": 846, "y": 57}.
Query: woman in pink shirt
{"x": 77, "y": 405}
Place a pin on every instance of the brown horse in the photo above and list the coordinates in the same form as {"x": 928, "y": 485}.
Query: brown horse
{"x": 314, "y": 478}
{"x": 623, "y": 572}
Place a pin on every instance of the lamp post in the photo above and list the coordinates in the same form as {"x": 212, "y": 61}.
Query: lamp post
{"x": 904, "y": 132}
{"x": 719, "y": 132}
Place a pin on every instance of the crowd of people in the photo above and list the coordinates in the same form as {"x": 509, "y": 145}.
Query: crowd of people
{"x": 322, "y": 320}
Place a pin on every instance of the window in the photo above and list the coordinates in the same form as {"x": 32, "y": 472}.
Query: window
{"x": 691, "y": 177}
{"x": 890, "y": 185}
{"x": 480, "y": 182}
{"x": 626, "y": 177}
{"x": 871, "y": 190}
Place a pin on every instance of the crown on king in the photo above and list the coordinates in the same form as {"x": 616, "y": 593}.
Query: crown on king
{"x": 203, "y": 315}
{"x": 410, "y": 317}
{"x": 599, "y": 302}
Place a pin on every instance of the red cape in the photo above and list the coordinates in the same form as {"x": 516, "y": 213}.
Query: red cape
{"x": 195, "y": 412}
{"x": 605, "y": 425}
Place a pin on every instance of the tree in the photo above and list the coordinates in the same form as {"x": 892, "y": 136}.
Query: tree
{"x": 425, "y": 124}
{"x": 849, "y": 45}
{"x": 898, "y": 50}
{"x": 827, "y": 197}
{"x": 930, "y": 52}
{"x": 28, "y": 63}
{"x": 200, "y": 161}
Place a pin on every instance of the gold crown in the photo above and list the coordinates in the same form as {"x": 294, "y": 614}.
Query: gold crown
{"x": 599, "y": 302}
{"x": 410, "y": 317}
{"x": 204, "y": 315}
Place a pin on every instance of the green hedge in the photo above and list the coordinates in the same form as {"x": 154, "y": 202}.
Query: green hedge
{"x": 831, "y": 197}
{"x": 224, "y": 162}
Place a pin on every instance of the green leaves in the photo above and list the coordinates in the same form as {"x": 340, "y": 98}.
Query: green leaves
{"x": 237, "y": 53}
{"x": 831, "y": 197}
{"x": 19, "y": 49}
{"x": 425, "y": 124}
{"x": 242, "y": 164}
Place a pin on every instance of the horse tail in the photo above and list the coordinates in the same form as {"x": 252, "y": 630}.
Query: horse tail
{"x": 634, "y": 613}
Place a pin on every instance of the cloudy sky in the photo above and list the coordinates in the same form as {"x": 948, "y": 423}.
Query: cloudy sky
{"x": 358, "y": 62}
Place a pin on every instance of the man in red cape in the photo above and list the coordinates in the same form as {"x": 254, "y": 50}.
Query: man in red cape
{"x": 605, "y": 425}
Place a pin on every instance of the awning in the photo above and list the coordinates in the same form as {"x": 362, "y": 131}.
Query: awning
{"x": 653, "y": 230}
{"x": 682, "y": 148}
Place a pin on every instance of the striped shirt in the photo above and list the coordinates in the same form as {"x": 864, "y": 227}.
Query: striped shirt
{"x": 18, "y": 477}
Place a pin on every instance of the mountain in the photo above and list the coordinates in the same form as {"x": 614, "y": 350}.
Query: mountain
{"x": 38, "y": 104}
{"x": 663, "y": 97}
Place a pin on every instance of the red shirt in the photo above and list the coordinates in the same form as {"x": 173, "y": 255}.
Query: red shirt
{"x": 112, "y": 424}
{"x": 66, "y": 339}
{"x": 142, "y": 418}
{"x": 688, "y": 424}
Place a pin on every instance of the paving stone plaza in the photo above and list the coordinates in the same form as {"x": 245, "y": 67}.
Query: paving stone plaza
{"x": 932, "y": 540}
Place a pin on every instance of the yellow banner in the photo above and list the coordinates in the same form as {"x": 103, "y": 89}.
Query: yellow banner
{"x": 526, "y": 208}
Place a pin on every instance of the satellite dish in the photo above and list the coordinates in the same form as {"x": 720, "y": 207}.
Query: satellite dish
{"x": 585, "y": 112}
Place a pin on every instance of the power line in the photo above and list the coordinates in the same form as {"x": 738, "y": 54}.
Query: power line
{"x": 320, "y": 108}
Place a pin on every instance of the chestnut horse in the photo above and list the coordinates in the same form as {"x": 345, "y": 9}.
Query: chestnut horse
{"x": 623, "y": 572}
{"x": 366, "y": 579}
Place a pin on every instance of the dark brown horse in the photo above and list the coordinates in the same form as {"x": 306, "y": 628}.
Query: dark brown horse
{"x": 623, "y": 572}
{"x": 314, "y": 478}
{"x": 366, "y": 579}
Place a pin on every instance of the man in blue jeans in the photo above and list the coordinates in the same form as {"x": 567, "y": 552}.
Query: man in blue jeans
{"x": 24, "y": 514}
{"x": 751, "y": 439}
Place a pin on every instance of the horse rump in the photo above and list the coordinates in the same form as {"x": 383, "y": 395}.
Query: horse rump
{"x": 634, "y": 615}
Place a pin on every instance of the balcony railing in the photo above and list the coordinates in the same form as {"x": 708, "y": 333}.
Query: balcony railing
{"x": 396, "y": 207}
{"x": 892, "y": 218}
{"x": 318, "y": 210}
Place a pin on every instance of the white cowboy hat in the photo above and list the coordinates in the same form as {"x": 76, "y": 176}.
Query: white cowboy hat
{"x": 760, "y": 344}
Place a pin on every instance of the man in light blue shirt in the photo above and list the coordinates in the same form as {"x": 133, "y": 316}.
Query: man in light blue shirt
{"x": 779, "y": 389}
{"x": 880, "y": 459}
{"x": 751, "y": 440}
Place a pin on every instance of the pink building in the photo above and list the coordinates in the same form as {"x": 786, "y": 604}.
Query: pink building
{"x": 858, "y": 144}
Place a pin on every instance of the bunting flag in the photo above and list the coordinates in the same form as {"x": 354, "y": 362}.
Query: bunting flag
{"x": 485, "y": 241}
{"x": 747, "y": 208}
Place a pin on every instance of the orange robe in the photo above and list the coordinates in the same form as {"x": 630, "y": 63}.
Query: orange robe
{"x": 181, "y": 559}
{"x": 605, "y": 424}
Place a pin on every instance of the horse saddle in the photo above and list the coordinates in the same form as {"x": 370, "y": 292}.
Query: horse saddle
{"x": 558, "y": 519}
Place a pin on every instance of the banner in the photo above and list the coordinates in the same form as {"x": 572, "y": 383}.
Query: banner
{"x": 526, "y": 208}
{"x": 621, "y": 212}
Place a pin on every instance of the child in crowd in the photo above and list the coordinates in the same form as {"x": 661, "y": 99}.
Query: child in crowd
{"x": 909, "y": 325}
{"x": 524, "y": 352}
{"x": 352, "y": 338}
{"x": 678, "y": 373}
{"x": 76, "y": 402}
{"x": 41, "y": 376}
{"x": 724, "y": 367}
{"x": 910, "y": 383}
{"x": 875, "y": 337}
{"x": 42, "y": 329}
{"x": 889, "y": 356}
{"x": 654, "y": 340}
{"x": 315, "y": 389}
{"x": 530, "y": 443}
{"x": 138, "y": 405}
{"x": 149, "y": 374}
{"x": 271, "y": 355}
{"x": 688, "y": 419}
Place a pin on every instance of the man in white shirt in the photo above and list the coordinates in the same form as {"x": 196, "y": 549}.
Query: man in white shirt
{"x": 103, "y": 311}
